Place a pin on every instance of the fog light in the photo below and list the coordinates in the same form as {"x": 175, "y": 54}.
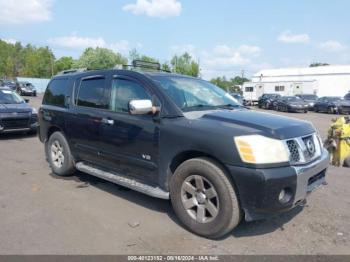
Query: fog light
{"x": 285, "y": 195}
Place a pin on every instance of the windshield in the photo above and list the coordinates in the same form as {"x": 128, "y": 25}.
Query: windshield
{"x": 192, "y": 94}
{"x": 10, "y": 97}
{"x": 293, "y": 99}
{"x": 309, "y": 97}
{"x": 29, "y": 86}
{"x": 334, "y": 98}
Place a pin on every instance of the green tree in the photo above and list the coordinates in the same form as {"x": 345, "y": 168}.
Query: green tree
{"x": 231, "y": 84}
{"x": 135, "y": 55}
{"x": 99, "y": 58}
{"x": 185, "y": 65}
{"x": 64, "y": 63}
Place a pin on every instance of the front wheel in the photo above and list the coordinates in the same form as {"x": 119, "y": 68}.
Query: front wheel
{"x": 59, "y": 156}
{"x": 204, "y": 199}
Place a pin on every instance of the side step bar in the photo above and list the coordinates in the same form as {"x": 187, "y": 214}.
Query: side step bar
{"x": 123, "y": 181}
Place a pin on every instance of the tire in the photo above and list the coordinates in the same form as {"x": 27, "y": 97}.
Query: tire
{"x": 62, "y": 164}
{"x": 329, "y": 110}
{"x": 347, "y": 162}
{"x": 316, "y": 109}
{"x": 212, "y": 224}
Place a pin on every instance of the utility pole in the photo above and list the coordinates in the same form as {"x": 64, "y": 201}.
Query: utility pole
{"x": 243, "y": 73}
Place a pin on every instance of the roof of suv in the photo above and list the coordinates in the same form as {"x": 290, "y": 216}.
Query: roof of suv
{"x": 149, "y": 74}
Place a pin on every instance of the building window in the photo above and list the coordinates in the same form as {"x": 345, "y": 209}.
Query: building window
{"x": 249, "y": 89}
{"x": 279, "y": 88}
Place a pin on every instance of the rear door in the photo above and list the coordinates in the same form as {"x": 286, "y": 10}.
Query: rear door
{"x": 130, "y": 143}
{"x": 84, "y": 124}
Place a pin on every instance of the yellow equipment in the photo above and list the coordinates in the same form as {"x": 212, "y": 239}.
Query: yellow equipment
{"x": 338, "y": 142}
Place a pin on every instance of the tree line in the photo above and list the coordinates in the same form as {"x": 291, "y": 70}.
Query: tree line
{"x": 40, "y": 62}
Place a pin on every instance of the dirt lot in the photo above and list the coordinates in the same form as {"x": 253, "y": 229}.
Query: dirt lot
{"x": 44, "y": 214}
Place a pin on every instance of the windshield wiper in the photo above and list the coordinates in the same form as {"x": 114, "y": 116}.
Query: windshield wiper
{"x": 229, "y": 106}
{"x": 199, "y": 106}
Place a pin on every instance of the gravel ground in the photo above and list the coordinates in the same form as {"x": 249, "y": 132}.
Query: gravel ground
{"x": 43, "y": 214}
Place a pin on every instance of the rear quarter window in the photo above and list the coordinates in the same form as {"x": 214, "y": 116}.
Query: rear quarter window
{"x": 56, "y": 92}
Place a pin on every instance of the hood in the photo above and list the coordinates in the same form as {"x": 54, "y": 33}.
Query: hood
{"x": 19, "y": 108}
{"x": 302, "y": 103}
{"x": 264, "y": 123}
{"x": 343, "y": 102}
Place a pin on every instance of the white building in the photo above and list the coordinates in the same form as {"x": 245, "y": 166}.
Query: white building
{"x": 322, "y": 81}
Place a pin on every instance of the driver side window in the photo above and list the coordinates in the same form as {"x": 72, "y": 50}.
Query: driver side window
{"x": 123, "y": 91}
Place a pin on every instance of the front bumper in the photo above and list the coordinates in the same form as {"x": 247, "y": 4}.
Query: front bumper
{"x": 28, "y": 92}
{"x": 259, "y": 189}
{"x": 18, "y": 124}
{"x": 298, "y": 108}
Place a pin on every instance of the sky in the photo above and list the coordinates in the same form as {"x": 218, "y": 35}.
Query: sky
{"x": 227, "y": 37}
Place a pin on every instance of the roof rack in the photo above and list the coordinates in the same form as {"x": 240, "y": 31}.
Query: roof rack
{"x": 145, "y": 65}
{"x": 72, "y": 71}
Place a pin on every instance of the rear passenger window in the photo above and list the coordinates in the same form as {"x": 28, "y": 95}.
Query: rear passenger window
{"x": 56, "y": 92}
{"x": 92, "y": 93}
{"x": 123, "y": 91}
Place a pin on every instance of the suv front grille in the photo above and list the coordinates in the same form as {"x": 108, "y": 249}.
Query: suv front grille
{"x": 293, "y": 150}
{"x": 15, "y": 123}
{"x": 304, "y": 149}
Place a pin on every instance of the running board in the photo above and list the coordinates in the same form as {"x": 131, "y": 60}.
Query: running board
{"x": 123, "y": 181}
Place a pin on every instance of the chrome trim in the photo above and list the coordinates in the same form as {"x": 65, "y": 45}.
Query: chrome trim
{"x": 305, "y": 172}
{"x": 122, "y": 180}
{"x": 303, "y": 152}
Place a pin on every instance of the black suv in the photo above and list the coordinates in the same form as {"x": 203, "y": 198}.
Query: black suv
{"x": 180, "y": 138}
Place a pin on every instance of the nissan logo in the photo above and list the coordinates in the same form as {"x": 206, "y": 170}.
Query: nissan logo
{"x": 310, "y": 146}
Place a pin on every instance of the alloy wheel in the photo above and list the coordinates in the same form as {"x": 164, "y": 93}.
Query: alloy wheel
{"x": 57, "y": 155}
{"x": 200, "y": 199}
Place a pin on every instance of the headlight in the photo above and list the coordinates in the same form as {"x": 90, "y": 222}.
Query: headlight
{"x": 34, "y": 111}
{"x": 257, "y": 149}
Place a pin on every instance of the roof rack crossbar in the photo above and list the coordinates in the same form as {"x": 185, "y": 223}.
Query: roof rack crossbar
{"x": 146, "y": 65}
{"x": 72, "y": 71}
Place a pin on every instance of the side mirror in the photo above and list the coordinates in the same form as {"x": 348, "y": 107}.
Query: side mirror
{"x": 26, "y": 100}
{"x": 140, "y": 107}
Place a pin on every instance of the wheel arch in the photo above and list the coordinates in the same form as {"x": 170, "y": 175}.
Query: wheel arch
{"x": 190, "y": 154}
{"x": 52, "y": 130}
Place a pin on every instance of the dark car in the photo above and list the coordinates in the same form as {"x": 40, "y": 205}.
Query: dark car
{"x": 266, "y": 100}
{"x": 347, "y": 96}
{"x": 238, "y": 97}
{"x": 26, "y": 89}
{"x": 15, "y": 114}
{"x": 310, "y": 99}
{"x": 180, "y": 138}
{"x": 333, "y": 105}
{"x": 292, "y": 104}
{"x": 10, "y": 84}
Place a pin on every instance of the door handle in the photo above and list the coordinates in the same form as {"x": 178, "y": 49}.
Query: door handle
{"x": 107, "y": 121}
